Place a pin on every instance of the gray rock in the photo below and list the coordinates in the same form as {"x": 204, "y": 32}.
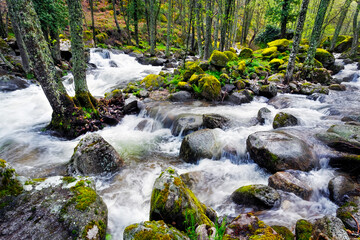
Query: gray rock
{"x": 93, "y": 155}
{"x": 105, "y": 54}
{"x": 263, "y": 115}
{"x": 280, "y": 151}
{"x": 186, "y": 123}
{"x": 340, "y": 187}
{"x": 329, "y": 227}
{"x": 284, "y": 120}
{"x": 153, "y": 230}
{"x": 349, "y": 212}
{"x": 228, "y": 88}
{"x": 131, "y": 105}
{"x": 200, "y": 144}
{"x": 257, "y": 195}
{"x": 287, "y": 182}
{"x": 268, "y": 91}
{"x": 337, "y": 67}
{"x": 12, "y": 83}
{"x": 113, "y": 64}
{"x": 136, "y": 54}
{"x": 240, "y": 97}
{"x": 215, "y": 121}
{"x": 310, "y": 88}
{"x": 181, "y": 96}
{"x": 205, "y": 232}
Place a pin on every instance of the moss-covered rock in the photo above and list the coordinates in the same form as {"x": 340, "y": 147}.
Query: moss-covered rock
{"x": 151, "y": 230}
{"x": 218, "y": 59}
{"x": 224, "y": 78}
{"x": 240, "y": 84}
{"x": 231, "y": 55}
{"x": 284, "y": 120}
{"x": 190, "y": 69}
{"x": 210, "y": 87}
{"x": 175, "y": 204}
{"x": 101, "y": 37}
{"x": 337, "y": 87}
{"x": 329, "y": 227}
{"x": 214, "y": 120}
{"x": 241, "y": 96}
{"x": 245, "y": 53}
{"x": 153, "y": 82}
{"x": 276, "y": 63}
{"x": 343, "y": 44}
{"x": 281, "y": 44}
{"x": 269, "y": 90}
{"x": 310, "y": 88}
{"x": 277, "y": 78}
{"x": 241, "y": 66}
{"x": 9, "y": 184}
{"x": 303, "y": 230}
{"x": 257, "y": 196}
{"x": 349, "y": 213}
{"x": 267, "y": 52}
{"x": 284, "y": 232}
{"x": 325, "y": 57}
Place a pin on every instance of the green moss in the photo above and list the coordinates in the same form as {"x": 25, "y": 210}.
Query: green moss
{"x": 281, "y": 44}
{"x": 231, "y": 55}
{"x": 284, "y": 232}
{"x": 101, "y": 37}
{"x": 265, "y": 234}
{"x": 303, "y": 230}
{"x": 153, "y": 81}
{"x": 84, "y": 195}
{"x": 246, "y": 53}
{"x": 211, "y": 87}
{"x": 101, "y": 226}
{"x": 218, "y": 59}
{"x": 2, "y": 163}
{"x": 9, "y": 185}
{"x": 269, "y": 51}
{"x": 69, "y": 179}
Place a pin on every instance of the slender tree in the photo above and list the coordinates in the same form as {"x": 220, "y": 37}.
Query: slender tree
{"x": 198, "y": 27}
{"x": 3, "y": 32}
{"x": 136, "y": 20}
{"x": 225, "y": 24}
{"x": 91, "y": 2}
{"x": 356, "y": 30}
{"x": 315, "y": 35}
{"x": 207, "y": 49}
{"x": 297, "y": 39}
{"x": 344, "y": 11}
{"x": 246, "y": 22}
{"x": 284, "y": 17}
{"x": 168, "y": 37}
{"x": 115, "y": 16}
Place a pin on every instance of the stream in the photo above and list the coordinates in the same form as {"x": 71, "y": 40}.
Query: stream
{"x": 149, "y": 150}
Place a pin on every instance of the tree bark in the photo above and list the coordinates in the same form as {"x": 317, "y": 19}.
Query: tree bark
{"x": 315, "y": 35}
{"x": 168, "y": 37}
{"x": 207, "y": 50}
{"x": 344, "y": 11}
{"x": 2, "y": 26}
{"x": 152, "y": 27}
{"x": 115, "y": 16}
{"x": 198, "y": 27}
{"x": 136, "y": 22}
{"x": 92, "y": 21}
{"x": 246, "y": 22}
{"x": 225, "y": 24}
{"x": 55, "y": 45}
{"x": 284, "y": 17}
{"x": 7, "y": 63}
{"x": 297, "y": 39}
{"x": 356, "y": 29}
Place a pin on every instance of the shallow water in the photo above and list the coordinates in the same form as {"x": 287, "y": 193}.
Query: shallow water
{"x": 149, "y": 151}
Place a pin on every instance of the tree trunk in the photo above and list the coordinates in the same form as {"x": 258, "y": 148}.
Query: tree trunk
{"x": 82, "y": 93}
{"x": 356, "y": 29}
{"x": 115, "y": 16}
{"x": 198, "y": 27}
{"x": 136, "y": 22}
{"x": 168, "y": 37}
{"x": 216, "y": 32}
{"x": 2, "y": 26}
{"x": 152, "y": 27}
{"x": 7, "y": 63}
{"x": 225, "y": 24}
{"x": 344, "y": 11}
{"x": 246, "y": 22}
{"x": 315, "y": 35}
{"x": 297, "y": 39}
{"x": 207, "y": 50}
{"x": 93, "y": 21}
{"x": 55, "y": 45}
{"x": 284, "y": 17}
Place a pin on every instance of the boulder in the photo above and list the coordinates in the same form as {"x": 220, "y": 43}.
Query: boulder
{"x": 281, "y": 44}
{"x": 181, "y": 96}
{"x": 288, "y": 182}
{"x": 263, "y": 115}
{"x": 240, "y": 97}
{"x": 12, "y": 83}
{"x": 337, "y": 87}
{"x": 343, "y": 45}
{"x": 268, "y": 91}
{"x": 284, "y": 232}
{"x": 257, "y": 196}
{"x": 341, "y": 188}
{"x": 212, "y": 121}
{"x": 267, "y": 52}
{"x": 280, "y": 151}
{"x": 131, "y": 105}
{"x": 186, "y": 123}
{"x": 218, "y": 59}
{"x": 248, "y": 226}
{"x": 153, "y": 82}
{"x": 246, "y": 53}
{"x": 349, "y": 213}
{"x": 210, "y": 87}
{"x": 276, "y": 63}
{"x": 329, "y": 227}
{"x": 205, "y": 232}
{"x": 277, "y": 78}
{"x": 284, "y": 120}
{"x": 200, "y": 144}
{"x": 53, "y": 208}
{"x": 325, "y": 57}
{"x": 310, "y": 88}
{"x": 345, "y": 138}
{"x": 94, "y": 155}
{"x": 231, "y": 55}
{"x": 152, "y": 230}
{"x": 337, "y": 67}
{"x": 174, "y": 203}
{"x": 303, "y": 230}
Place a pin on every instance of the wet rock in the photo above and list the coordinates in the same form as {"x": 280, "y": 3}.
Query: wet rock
{"x": 218, "y": 59}
{"x": 173, "y": 202}
{"x": 200, "y": 144}
{"x": 247, "y": 226}
{"x": 284, "y": 232}
{"x": 136, "y": 54}
{"x": 113, "y": 64}
{"x": 54, "y": 208}
{"x": 309, "y": 88}
{"x": 186, "y": 123}
{"x": 152, "y": 230}
{"x": 337, "y": 87}
{"x": 105, "y": 54}
{"x": 181, "y": 96}
{"x": 349, "y": 163}
{"x": 263, "y": 115}
{"x": 303, "y": 230}
{"x": 240, "y": 97}
{"x": 345, "y": 138}
{"x": 205, "y": 232}
{"x": 11, "y": 83}
{"x": 257, "y": 195}
{"x": 281, "y": 101}
{"x": 93, "y": 155}
{"x": 131, "y": 106}
{"x": 268, "y": 91}
{"x": 154, "y": 61}
{"x": 215, "y": 121}
{"x": 144, "y": 94}
{"x": 317, "y": 97}
{"x": 337, "y": 67}
{"x": 277, "y": 78}
{"x": 287, "y": 182}
{"x": 350, "y": 78}
{"x": 325, "y": 57}
{"x": 228, "y": 88}
{"x": 340, "y": 189}
{"x": 329, "y": 227}
{"x": 284, "y": 120}
{"x": 349, "y": 213}
{"x": 279, "y": 151}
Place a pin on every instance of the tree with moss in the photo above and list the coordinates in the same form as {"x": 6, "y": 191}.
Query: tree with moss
{"x": 152, "y": 9}
{"x": 91, "y": 3}
{"x": 208, "y": 46}
{"x": 316, "y": 33}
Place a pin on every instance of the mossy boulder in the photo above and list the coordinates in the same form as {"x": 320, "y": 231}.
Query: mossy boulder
{"x": 310, "y": 88}
{"x": 210, "y": 87}
{"x": 343, "y": 44}
{"x": 240, "y": 84}
{"x": 10, "y": 185}
{"x": 245, "y": 53}
{"x": 269, "y": 90}
{"x": 192, "y": 68}
{"x": 284, "y": 120}
{"x": 319, "y": 75}
{"x": 267, "y": 52}
{"x": 151, "y": 230}
{"x": 174, "y": 203}
{"x": 201, "y": 144}
{"x": 325, "y": 57}
{"x": 281, "y": 44}
{"x": 284, "y": 232}
{"x": 345, "y": 138}
{"x": 348, "y": 211}
{"x": 224, "y": 78}
{"x": 241, "y": 66}
{"x": 94, "y": 155}
{"x": 257, "y": 196}
{"x": 248, "y": 226}
{"x": 276, "y": 63}
{"x": 231, "y": 55}
{"x": 186, "y": 123}
{"x": 279, "y": 151}
{"x": 101, "y": 37}
{"x": 303, "y": 230}
{"x": 218, "y": 59}
{"x": 277, "y": 78}
{"x": 153, "y": 82}
{"x": 329, "y": 227}
{"x": 288, "y": 182}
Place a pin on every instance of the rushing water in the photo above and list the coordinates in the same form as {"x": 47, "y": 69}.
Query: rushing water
{"x": 149, "y": 151}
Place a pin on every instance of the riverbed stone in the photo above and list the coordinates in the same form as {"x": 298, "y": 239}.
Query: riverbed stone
{"x": 181, "y": 96}
{"x": 340, "y": 188}
{"x": 310, "y": 88}
{"x": 200, "y": 144}
{"x": 263, "y": 115}
{"x": 186, "y": 123}
{"x": 268, "y": 91}
{"x": 288, "y": 182}
{"x": 174, "y": 203}
{"x": 214, "y": 120}
{"x": 11, "y": 83}
{"x": 152, "y": 230}
{"x": 329, "y": 227}
{"x": 240, "y": 97}
{"x": 258, "y": 196}
{"x": 345, "y": 138}
{"x": 280, "y": 151}
{"x": 283, "y": 119}
{"x": 94, "y": 155}
{"x": 218, "y": 59}
{"x": 349, "y": 163}
{"x": 349, "y": 213}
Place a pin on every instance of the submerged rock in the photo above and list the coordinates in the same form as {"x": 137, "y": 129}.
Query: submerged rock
{"x": 257, "y": 195}
{"x": 186, "y": 123}
{"x": 152, "y": 230}
{"x": 284, "y": 120}
{"x": 279, "y": 151}
{"x": 94, "y": 155}
{"x": 200, "y": 144}
{"x": 175, "y": 204}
